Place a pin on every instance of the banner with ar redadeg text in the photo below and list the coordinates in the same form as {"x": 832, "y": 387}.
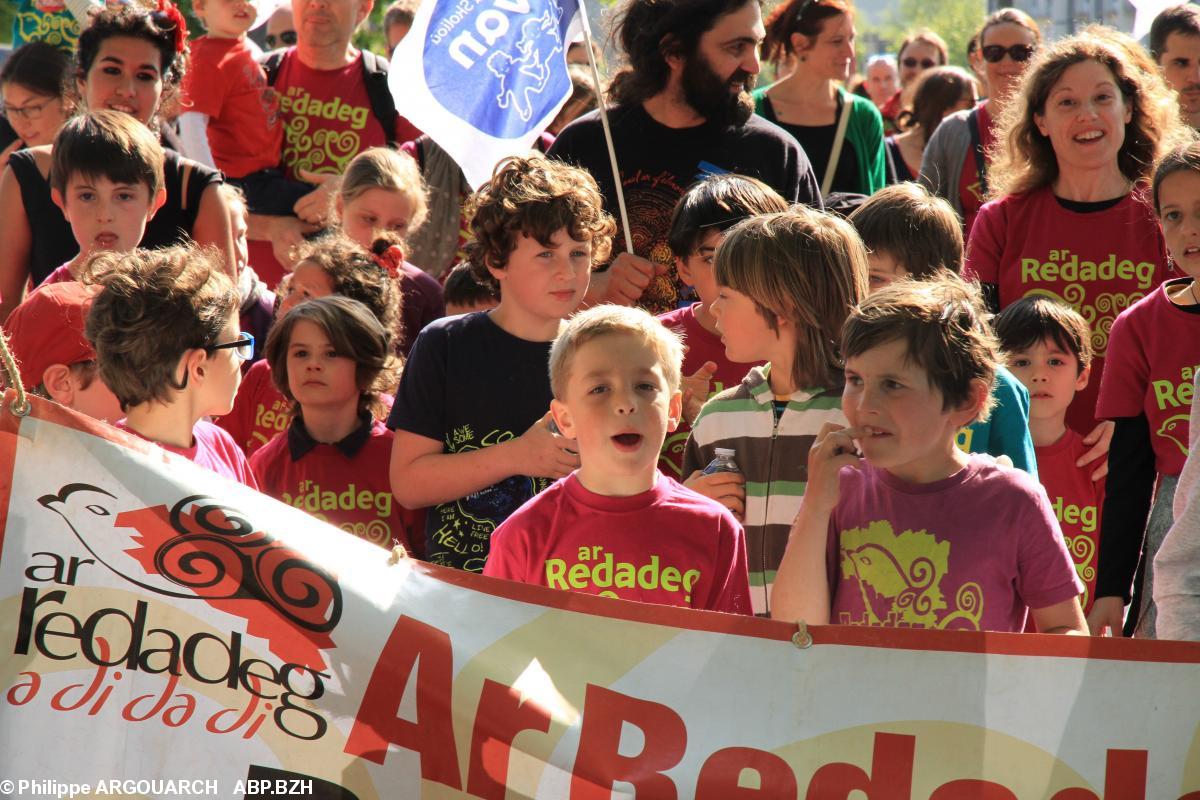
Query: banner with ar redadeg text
{"x": 168, "y": 633}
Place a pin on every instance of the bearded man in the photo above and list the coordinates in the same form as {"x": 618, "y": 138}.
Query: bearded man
{"x": 680, "y": 111}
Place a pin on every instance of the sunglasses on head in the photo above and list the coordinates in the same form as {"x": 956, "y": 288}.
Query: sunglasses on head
{"x": 993, "y": 53}
{"x": 285, "y": 39}
{"x": 924, "y": 63}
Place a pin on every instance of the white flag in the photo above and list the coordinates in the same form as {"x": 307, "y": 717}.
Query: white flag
{"x": 484, "y": 77}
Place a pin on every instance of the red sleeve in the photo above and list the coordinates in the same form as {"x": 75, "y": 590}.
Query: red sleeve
{"x": 1045, "y": 572}
{"x": 204, "y": 82}
{"x": 405, "y": 130}
{"x": 731, "y": 579}
{"x": 1126, "y": 371}
{"x": 508, "y": 556}
{"x": 986, "y": 244}
{"x": 239, "y": 422}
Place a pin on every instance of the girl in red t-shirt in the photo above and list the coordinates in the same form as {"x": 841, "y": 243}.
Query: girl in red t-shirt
{"x": 334, "y": 362}
{"x": 1147, "y": 392}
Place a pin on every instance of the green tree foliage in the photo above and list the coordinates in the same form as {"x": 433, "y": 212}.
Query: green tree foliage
{"x": 954, "y": 20}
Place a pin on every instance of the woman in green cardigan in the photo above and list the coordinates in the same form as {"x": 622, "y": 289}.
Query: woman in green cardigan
{"x": 809, "y": 103}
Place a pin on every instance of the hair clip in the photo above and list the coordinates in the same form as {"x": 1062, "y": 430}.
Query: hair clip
{"x": 171, "y": 11}
{"x": 390, "y": 260}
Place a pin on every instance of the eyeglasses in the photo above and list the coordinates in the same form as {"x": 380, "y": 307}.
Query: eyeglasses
{"x": 29, "y": 111}
{"x": 925, "y": 63}
{"x": 993, "y": 53}
{"x": 285, "y": 39}
{"x": 242, "y": 347}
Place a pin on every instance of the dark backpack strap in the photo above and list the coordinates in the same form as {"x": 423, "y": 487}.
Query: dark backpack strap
{"x": 271, "y": 63}
{"x": 383, "y": 105}
{"x": 977, "y": 147}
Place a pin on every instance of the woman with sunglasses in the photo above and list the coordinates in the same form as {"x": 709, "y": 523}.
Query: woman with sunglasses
{"x": 842, "y": 133}
{"x": 33, "y": 85}
{"x": 132, "y": 60}
{"x": 919, "y": 52}
{"x": 956, "y": 159}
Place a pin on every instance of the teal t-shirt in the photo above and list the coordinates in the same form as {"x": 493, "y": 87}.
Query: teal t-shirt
{"x": 45, "y": 21}
{"x": 1006, "y": 431}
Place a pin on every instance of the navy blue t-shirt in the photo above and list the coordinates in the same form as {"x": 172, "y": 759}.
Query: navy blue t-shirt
{"x": 469, "y": 384}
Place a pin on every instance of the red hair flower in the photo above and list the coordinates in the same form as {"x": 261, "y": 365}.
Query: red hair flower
{"x": 391, "y": 259}
{"x": 168, "y": 16}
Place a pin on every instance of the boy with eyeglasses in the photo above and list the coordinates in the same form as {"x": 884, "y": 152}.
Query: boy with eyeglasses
{"x": 165, "y": 330}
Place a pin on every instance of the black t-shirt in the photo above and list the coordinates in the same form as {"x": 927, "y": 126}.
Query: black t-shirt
{"x": 470, "y": 384}
{"x": 817, "y": 141}
{"x": 53, "y": 244}
{"x": 659, "y": 163}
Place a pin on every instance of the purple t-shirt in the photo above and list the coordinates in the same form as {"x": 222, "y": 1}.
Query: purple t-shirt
{"x": 422, "y": 303}
{"x": 969, "y": 552}
{"x": 212, "y": 448}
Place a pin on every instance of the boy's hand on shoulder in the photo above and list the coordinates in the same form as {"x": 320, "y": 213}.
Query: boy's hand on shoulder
{"x": 834, "y": 448}
{"x": 545, "y": 454}
{"x": 624, "y": 281}
{"x": 1107, "y": 612}
{"x": 695, "y": 391}
{"x": 727, "y": 488}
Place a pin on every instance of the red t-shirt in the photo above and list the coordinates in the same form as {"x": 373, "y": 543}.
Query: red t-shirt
{"x": 259, "y": 410}
{"x": 668, "y": 546}
{"x": 212, "y": 448}
{"x": 1099, "y": 263}
{"x": 1152, "y": 360}
{"x": 225, "y": 82}
{"x": 1077, "y": 501}
{"x": 345, "y": 484}
{"x": 702, "y": 346}
{"x": 970, "y": 188}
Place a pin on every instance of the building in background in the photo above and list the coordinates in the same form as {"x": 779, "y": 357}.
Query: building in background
{"x": 1059, "y": 18}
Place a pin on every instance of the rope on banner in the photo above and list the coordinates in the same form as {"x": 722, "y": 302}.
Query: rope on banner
{"x": 20, "y": 405}
{"x": 802, "y": 638}
{"x": 612, "y": 153}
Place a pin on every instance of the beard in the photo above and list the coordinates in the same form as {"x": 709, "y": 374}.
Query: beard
{"x": 712, "y": 96}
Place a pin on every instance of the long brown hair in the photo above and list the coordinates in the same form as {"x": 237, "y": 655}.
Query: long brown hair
{"x": 938, "y": 90}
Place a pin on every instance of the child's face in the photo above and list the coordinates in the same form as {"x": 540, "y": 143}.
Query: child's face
{"x": 223, "y": 373}
{"x": 374, "y": 212}
{"x": 911, "y": 436}
{"x": 744, "y": 331}
{"x": 225, "y": 19}
{"x": 884, "y": 269}
{"x": 697, "y": 269}
{"x": 307, "y": 281}
{"x": 1052, "y": 376}
{"x": 106, "y": 215}
{"x": 1179, "y": 214}
{"x": 317, "y": 376}
{"x": 546, "y": 282}
{"x": 618, "y": 406}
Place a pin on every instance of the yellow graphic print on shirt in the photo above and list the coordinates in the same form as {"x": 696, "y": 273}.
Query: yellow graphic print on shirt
{"x": 311, "y": 141}
{"x": 899, "y": 578}
{"x": 47, "y": 22}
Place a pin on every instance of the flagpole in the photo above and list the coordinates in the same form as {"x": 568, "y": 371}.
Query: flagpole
{"x": 608, "y": 140}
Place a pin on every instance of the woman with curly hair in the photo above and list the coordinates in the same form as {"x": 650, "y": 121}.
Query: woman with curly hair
{"x": 129, "y": 59}
{"x": 1069, "y": 218}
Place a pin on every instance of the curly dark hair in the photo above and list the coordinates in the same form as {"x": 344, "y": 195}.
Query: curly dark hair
{"x": 537, "y": 197}
{"x": 38, "y": 67}
{"x": 651, "y": 30}
{"x": 355, "y": 332}
{"x": 138, "y": 23}
{"x": 155, "y": 306}
{"x": 355, "y": 273}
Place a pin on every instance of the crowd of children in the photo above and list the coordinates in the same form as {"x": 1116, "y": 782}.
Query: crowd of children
{"x": 836, "y": 428}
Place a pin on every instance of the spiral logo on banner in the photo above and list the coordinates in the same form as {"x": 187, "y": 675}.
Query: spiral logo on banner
{"x": 500, "y": 65}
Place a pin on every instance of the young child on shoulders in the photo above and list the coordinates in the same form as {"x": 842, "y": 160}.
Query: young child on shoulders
{"x": 698, "y": 225}
{"x": 56, "y": 361}
{"x": 615, "y": 374}
{"x": 1146, "y": 391}
{"x": 1048, "y": 346}
{"x": 464, "y": 294}
{"x": 330, "y": 265}
{"x": 333, "y": 360}
{"x": 382, "y": 193}
{"x": 472, "y": 415}
{"x": 901, "y": 528}
{"x": 911, "y": 233}
{"x": 786, "y": 282}
{"x": 106, "y": 174}
{"x": 165, "y": 329}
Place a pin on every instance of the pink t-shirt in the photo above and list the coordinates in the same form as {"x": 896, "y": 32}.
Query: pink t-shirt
{"x": 212, "y": 448}
{"x": 668, "y": 546}
{"x": 1098, "y": 263}
{"x": 1152, "y": 360}
{"x": 969, "y": 552}
{"x": 701, "y": 346}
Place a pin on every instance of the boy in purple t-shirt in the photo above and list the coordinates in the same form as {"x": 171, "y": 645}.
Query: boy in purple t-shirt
{"x": 900, "y": 528}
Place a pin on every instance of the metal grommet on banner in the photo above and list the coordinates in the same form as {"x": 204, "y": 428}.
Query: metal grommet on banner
{"x": 802, "y": 638}
{"x": 20, "y": 406}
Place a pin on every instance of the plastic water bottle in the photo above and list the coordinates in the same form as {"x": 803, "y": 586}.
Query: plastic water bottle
{"x": 723, "y": 462}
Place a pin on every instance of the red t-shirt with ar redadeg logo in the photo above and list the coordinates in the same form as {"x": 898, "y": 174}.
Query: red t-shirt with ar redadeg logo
{"x": 1100, "y": 263}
